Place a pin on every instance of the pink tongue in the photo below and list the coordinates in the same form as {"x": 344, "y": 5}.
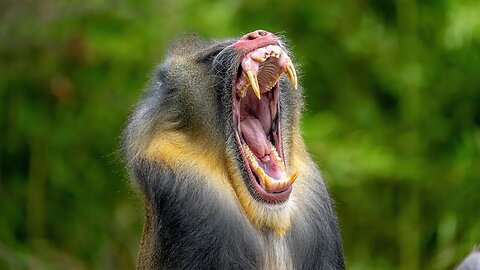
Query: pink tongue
{"x": 255, "y": 137}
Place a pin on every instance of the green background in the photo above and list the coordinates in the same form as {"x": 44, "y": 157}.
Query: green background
{"x": 393, "y": 119}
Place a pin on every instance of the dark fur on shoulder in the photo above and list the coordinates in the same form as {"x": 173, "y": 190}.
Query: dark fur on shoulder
{"x": 180, "y": 150}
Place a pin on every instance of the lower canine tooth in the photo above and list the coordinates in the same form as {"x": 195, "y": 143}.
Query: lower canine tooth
{"x": 293, "y": 177}
{"x": 282, "y": 184}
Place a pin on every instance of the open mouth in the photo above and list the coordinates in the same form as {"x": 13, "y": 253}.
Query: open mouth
{"x": 256, "y": 113}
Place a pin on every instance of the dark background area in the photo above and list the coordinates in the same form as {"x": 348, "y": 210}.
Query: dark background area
{"x": 393, "y": 119}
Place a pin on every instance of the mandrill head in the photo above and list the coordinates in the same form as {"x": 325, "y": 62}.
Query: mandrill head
{"x": 227, "y": 112}
{"x": 216, "y": 151}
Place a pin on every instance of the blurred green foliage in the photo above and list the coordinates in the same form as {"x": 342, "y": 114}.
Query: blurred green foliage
{"x": 393, "y": 119}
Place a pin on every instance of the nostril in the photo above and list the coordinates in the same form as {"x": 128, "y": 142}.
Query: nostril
{"x": 257, "y": 38}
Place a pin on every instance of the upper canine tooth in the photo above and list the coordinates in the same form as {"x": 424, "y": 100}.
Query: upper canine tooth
{"x": 254, "y": 82}
{"x": 291, "y": 74}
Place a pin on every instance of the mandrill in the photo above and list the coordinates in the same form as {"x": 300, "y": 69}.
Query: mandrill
{"x": 216, "y": 151}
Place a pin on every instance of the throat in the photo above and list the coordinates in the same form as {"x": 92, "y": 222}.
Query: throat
{"x": 258, "y": 129}
{"x": 258, "y": 121}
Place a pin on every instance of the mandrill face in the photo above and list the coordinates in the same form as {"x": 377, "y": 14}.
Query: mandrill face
{"x": 262, "y": 104}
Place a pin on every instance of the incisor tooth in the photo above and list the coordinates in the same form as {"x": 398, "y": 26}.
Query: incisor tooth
{"x": 259, "y": 58}
{"x": 275, "y": 186}
{"x": 291, "y": 74}
{"x": 282, "y": 184}
{"x": 254, "y": 82}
